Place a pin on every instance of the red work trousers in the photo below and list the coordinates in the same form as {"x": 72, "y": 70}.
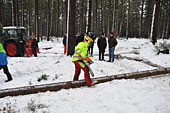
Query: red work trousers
{"x": 78, "y": 68}
{"x": 65, "y": 48}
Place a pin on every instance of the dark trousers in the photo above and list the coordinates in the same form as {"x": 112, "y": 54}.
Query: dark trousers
{"x": 101, "y": 55}
{"x": 22, "y": 52}
{"x": 34, "y": 50}
{"x": 90, "y": 50}
{"x": 5, "y": 69}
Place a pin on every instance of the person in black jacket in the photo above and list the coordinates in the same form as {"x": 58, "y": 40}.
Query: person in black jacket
{"x": 64, "y": 43}
{"x": 79, "y": 38}
{"x": 90, "y": 49}
{"x": 101, "y": 43}
{"x": 21, "y": 45}
{"x": 34, "y": 46}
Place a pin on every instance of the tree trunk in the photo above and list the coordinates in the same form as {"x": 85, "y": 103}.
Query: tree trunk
{"x": 122, "y": 16}
{"x": 82, "y": 18}
{"x": 149, "y": 18}
{"x": 114, "y": 13}
{"x": 164, "y": 25}
{"x": 52, "y": 8}
{"x": 17, "y": 13}
{"x": 40, "y": 20}
{"x": 66, "y": 9}
{"x": 93, "y": 16}
{"x": 155, "y": 26}
{"x": 1, "y": 12}
{"x": 96, "y": 18}
{"x": 36, "y": 19}
{"x": 57, "y": 20}
{"x": 14, "y": 13}
{"x": 89, "y": 16}
{"x": 29, "y": 18}
{"x": 63, "y": 18}
{"x": 71, "y": 28}
{"x": 22, "y": 17}
{"x": 48, "y": 21}
{"x": 167, "y": 15}
{"x": 141, "y": 20}
{"x": 101, "y": 17}
{"x": 168, "y": 25}
{"x": 128, "y": 16}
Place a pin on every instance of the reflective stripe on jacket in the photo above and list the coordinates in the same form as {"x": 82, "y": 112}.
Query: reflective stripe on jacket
{"x": 80, "y": 51}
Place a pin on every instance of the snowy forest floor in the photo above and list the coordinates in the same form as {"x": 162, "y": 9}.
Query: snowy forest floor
{"x": 149, "y": 95}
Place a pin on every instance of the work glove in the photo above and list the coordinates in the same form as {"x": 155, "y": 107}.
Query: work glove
{"x": 88, "y": 59}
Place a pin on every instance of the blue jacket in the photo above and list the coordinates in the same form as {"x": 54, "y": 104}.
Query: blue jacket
{"x": 3, "y": 59}
{"x": 3, "y": 56}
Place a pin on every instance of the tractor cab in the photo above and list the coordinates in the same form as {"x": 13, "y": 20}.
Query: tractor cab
{"x": 15, "y": 32}
{"x": 14, "y": 40}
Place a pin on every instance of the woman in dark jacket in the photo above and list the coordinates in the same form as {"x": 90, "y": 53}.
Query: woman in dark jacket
{"x": 101, "y": 43}
{"x": 112, "y": 44}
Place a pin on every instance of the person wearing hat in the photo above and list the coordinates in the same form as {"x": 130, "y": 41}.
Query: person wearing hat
{"x": 112, "y": 44}
{"x": 90, "y": 49}
{"x": 101, "y": 43}
{"x": 81, "y": 52}
{"x": 79, "y": 38}
{"x": 34, "y": 46}
{"x": 4, "y": 62}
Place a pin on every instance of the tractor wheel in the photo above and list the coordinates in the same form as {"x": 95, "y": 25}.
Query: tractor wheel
{"x": 12, "y": 49}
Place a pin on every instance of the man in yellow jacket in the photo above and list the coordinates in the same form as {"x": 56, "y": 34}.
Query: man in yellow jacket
{"x": 81, "y": 52}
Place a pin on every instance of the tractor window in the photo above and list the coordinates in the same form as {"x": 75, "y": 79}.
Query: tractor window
{"x": 21, "y": 33}
{"x": 4, "y": 33}
{"x": 12, "y": 32}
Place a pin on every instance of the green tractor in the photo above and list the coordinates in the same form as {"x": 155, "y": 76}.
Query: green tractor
{"x": 14, "y": 40}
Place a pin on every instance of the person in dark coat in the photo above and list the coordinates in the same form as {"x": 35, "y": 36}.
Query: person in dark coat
{"x": 112, "y": 44}
{"x": 79, "y": 38}
{"x": 90, "y": 49}
{"x": 4, "y": 62}
{"x": 34, "y": 46}
{"x": 64, "y": 43}
{"x": 21, "y": 45}
{"x": 101, "y": 43}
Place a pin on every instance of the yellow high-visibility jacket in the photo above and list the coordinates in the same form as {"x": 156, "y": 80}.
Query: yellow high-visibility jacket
{"x": 80, "y": 51}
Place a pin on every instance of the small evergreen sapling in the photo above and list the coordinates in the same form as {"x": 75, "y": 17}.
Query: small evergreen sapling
{"x": 163, "y": 47}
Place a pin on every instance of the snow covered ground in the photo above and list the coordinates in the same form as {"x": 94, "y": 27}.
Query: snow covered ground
{"x": 149, "y": 95}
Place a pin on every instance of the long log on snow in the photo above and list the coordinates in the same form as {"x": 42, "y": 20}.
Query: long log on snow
{"x": 119, "y": 56}
{"x": 75, "y": 84}
{"x": 141, "y": 60}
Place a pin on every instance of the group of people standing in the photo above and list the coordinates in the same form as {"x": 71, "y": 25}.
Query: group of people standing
{"x": 32, "y": 46}
{"x": 84, "y": 47}
{"x": 102, "y": 44}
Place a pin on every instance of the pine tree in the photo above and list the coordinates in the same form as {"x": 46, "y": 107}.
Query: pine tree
{"x": 71, "y": 31}
{"x": 156, "y": 19}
